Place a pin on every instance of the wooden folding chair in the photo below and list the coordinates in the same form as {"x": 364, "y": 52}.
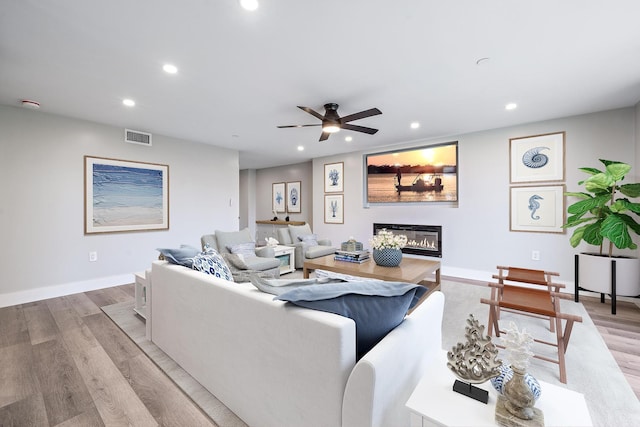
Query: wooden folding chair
{"x": 530, "y": 301}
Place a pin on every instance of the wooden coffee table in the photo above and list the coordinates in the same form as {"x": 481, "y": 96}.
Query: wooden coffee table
{"x": 410, "y": 270}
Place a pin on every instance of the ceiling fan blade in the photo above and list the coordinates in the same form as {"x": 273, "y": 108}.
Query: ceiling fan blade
{"x": 360, "y": 115}
{"x": 312, "y": 112}
{"x": 324, "y": 136}
{"x": 299, "y": 126}
{"x": 356, "y": 128}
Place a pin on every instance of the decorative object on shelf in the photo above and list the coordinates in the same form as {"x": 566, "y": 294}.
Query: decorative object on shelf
{"x": 334, "y": 177}
{"x": 474, "y": 361}
{"x": 334, "y": 209}
{"x": 605, "y": 213}
{"x": 517, "y": 398}
{"x": 286, "y": 218}
{"x": 537, "y": 209}
{"x": 278, "y": 197}
{"x": 275, "y": 215}
{"x": 272, "y": 242}
{"x": 387, "y": 248}
{"x": 537, "y": 158}
{"x": 506, "y": 373}
{"x": 351, "y": 245}
{"x": 125, "y": 196}
{"x": 293, "y": 197}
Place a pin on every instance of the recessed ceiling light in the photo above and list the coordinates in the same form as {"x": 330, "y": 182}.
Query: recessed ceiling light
{"x": 511, "y": 106}
{"x": 415, "y": 125}
{"x": 249, "y": 4}
{"x": 300, "y": 148}
{"x": 170, "y": 68}
{"x": 129, "y": 102}
{"x": 348, "y": 138}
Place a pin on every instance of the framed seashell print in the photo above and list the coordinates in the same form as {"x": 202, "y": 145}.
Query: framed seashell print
{"x": 537, "y": 158}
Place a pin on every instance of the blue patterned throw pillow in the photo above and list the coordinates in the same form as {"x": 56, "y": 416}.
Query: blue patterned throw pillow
{"x": 210, "y": 262}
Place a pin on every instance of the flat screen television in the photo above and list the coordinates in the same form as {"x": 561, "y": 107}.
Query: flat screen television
{"x": 423, "y": 174}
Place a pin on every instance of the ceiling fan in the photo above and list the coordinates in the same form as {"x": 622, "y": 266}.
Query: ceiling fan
{"x": 332, "y": 122}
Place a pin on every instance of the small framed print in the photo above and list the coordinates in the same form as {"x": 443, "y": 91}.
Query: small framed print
{"x": 537, "y": 158}
{"x": 293, "y": 197}
{"x": 278, "y": 197}
{"x": 334, "y": 177}
{"x": 537, "y": 209}
{"x": 334, "y": 208}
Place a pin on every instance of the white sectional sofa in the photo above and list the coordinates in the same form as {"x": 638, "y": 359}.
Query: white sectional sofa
{"x": 276, "y": 364}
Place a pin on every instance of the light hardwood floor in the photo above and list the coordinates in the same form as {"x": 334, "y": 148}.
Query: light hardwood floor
{"x": 621, "y": 333}
{"x": 64, "y": 363}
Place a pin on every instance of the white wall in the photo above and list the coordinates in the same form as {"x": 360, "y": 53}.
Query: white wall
{"x": 44, "y": 251}
{"x": 264, "y": 179}
{"x": 476, "y": 234}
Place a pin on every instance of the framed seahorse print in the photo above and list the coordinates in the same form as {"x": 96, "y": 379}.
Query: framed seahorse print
{"x": 538, "y": 209}
{"x": 537, "y": 158}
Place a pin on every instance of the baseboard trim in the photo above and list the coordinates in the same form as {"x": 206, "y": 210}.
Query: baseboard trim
{"x": 46, "y": 292}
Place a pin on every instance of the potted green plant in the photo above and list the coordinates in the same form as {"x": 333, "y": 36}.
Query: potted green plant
{"x": 606, "y": 217}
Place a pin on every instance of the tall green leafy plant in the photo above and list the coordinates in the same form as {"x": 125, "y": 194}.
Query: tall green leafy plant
{"x": 601, "y": 214}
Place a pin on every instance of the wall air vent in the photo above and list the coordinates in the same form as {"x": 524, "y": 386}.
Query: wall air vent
{"x": 137, "y": 137}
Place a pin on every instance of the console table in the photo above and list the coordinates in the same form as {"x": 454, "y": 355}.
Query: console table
{"x": 434, "y": 402}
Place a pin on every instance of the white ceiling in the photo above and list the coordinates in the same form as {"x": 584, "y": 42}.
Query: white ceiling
{"x": 242, "y": 73}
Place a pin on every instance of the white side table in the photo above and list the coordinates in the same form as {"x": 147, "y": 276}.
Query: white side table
{"x": 141, "y": 281}
{"x": 286, "y": 255}
{"x": 433, "y": 402}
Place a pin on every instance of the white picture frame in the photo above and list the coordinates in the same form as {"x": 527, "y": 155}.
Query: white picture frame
{"x": 294, "y": 197}
{"x": 537, "y": 209}
{"x": 334, "y": 208}
{"x": 334, "y": 177}
{"x": 537, "y": 158}
{"x": 278, "y": 197}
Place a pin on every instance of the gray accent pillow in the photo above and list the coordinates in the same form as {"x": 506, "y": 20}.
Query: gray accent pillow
{"x": 246, "y": 250}
{"x": 180, "y": 256}
{"x": 235, "y": 261}
{"x": 376, "y": 307}
{"x": 297, "y": 231}
{"x": 230, "y": 238}
{"x": 309, "y": 239}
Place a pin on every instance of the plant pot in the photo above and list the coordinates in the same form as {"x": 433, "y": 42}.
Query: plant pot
{"x": 594, "y": 274}
{"x": 387, "y": 257}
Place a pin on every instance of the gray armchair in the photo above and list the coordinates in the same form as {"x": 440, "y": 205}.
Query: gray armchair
{"x": 306, "y": 244}
{"x": 247, "y": 259}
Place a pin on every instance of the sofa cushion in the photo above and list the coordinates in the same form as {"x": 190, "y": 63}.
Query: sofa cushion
{"x": 181, "y": 256}
{"x": 309, "y": 239}
{"x": 376, "y": 307}
{"x": 297, "y": 231}
{"x": 246, "y": 250}
{"x": 260, "y": 264}
{"x": 210, "y": 262}
{"x": 230, "y": 238}
{"x": 318, "y": 251}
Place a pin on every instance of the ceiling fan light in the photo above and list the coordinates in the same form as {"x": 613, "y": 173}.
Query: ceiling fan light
{"x": 330, "y": 128}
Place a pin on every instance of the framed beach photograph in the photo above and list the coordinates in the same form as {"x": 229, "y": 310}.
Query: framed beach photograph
{"x": 423, "y": 174}
{"x": 334, "y": 209}
{"x": 278, "y": 196}
{"x": 293, "y": 197}
{"x": 334, "y": 177}
{"x": 538, "y": 209}
{"x": 121, "y": 196}
{"x": 537, "y": 158}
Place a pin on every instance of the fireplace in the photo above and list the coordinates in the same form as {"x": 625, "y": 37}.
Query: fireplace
{"x": 425, "y": 240}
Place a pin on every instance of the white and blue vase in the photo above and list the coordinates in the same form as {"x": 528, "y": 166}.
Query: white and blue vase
{"x": 506, "y": 373}
{"x": 387, "y": 257}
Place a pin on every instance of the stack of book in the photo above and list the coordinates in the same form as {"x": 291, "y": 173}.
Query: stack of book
{"x": 352, "y": 256}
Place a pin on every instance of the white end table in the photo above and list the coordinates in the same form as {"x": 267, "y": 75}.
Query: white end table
{"x": 286, "y": 255}
{"x": 433, "y": 402}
